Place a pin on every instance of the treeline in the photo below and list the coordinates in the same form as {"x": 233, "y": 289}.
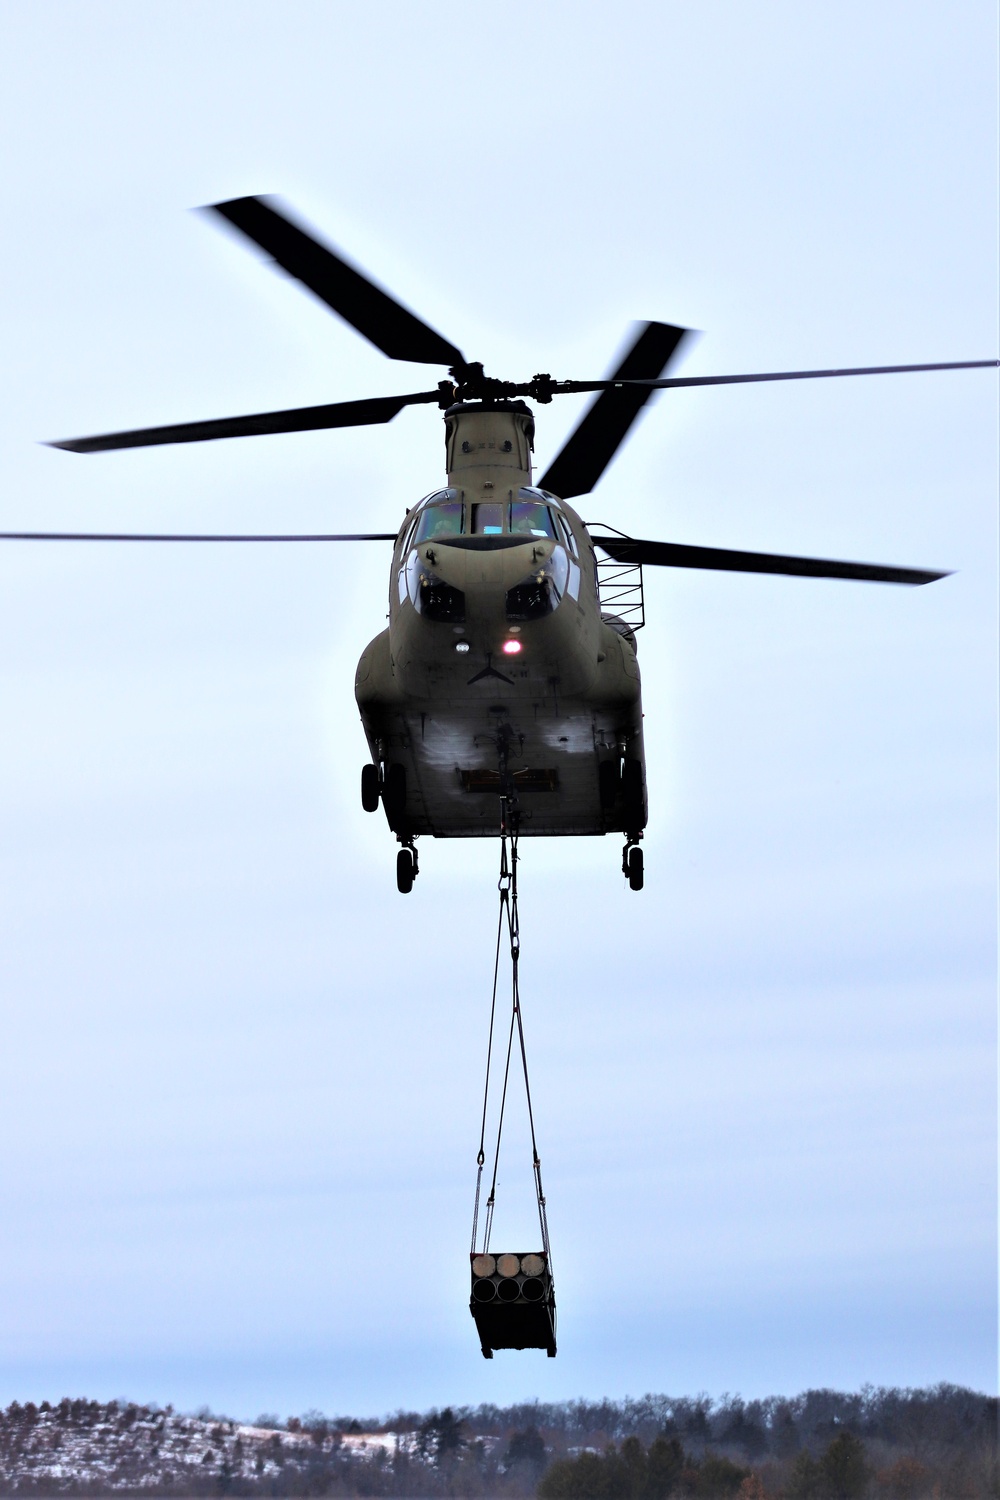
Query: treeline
{"x": 877, "y": 1444}
{"x": 941, "y": 1419}
{"x": 844, "y": 1470}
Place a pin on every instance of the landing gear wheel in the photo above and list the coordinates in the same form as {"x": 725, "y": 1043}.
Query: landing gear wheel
{"x": 394, "y": 792}
{"x": 633, "y": 859}
{"x": 405, "y": 871}
{"x": 370, "y": 788}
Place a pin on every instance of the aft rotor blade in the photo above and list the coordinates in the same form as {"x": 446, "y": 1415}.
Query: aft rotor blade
{"x": 148, "y": 536}
{"x": 573, "y": 387}
{"x": 588, "y": 450}
{"x": 297, "y": 419}
{"x": 389, "y": 325}
{"x": 677, "y": 555}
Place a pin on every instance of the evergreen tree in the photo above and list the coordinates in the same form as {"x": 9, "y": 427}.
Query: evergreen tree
{"x": 720, "y": 1476}
{"x": 804, "y": 1480}
{"x": 664, "y": 1464}
{"x": 844, "y": 1468}
{"x": 527, "y": 1448}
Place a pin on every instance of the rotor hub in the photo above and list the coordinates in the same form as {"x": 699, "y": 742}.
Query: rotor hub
{"x": 469, "y": 383}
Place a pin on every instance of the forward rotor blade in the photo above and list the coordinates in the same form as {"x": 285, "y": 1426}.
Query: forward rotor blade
{"x": 573, "y": 387}
{"x": 141, "y": 536}
{"x": 296, "y": 419}
{"x": 676, "y": 555}
{"x": 389, "y": 325}
{"x": 588, "y": 450}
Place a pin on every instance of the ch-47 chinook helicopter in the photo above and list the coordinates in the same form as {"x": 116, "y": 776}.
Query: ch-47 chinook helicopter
{"x": 501, "y": 694}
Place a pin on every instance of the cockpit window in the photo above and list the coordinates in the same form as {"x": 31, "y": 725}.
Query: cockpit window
{"x": 445, "y": 514}
{"x": 441, "y": 520}
{"x": 488, "y": 519}
{"x": 529, "y": 518}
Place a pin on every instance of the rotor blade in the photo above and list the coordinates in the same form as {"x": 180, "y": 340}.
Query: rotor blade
{"x": 676, "y": 555}
{"x": 389, "y": 325}
{"x": 573, "y": 387}
{"x": 297, "y": 419}
{"x": 588, "y": 450}
{"x": 140, "y": 536}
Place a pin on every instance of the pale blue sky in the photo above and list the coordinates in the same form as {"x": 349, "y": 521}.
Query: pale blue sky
{"x": 239, "y": 1072}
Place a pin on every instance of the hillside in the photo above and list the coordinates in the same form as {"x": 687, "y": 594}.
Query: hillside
{"x": 822, "y": 1445}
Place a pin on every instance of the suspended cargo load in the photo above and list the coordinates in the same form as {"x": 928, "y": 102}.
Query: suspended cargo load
{"x": 513, "y": 1302}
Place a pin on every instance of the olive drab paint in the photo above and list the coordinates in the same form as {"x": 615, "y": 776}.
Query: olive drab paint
{"x": 537, "y": 705}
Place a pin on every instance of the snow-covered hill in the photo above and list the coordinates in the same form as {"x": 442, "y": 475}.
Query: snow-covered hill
{"x": 87, "y": 1446}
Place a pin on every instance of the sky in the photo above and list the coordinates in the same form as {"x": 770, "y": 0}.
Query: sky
{"x": 240, "y": 1075}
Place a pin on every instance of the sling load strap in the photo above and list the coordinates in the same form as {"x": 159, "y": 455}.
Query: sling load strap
{"x": 507, "y": 886}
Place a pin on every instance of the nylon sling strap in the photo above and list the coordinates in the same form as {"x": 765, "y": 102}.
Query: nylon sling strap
{"x": 507, "y": 886}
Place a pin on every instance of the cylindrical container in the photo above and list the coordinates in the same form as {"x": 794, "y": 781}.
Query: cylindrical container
{"x": 513, "y": 1302}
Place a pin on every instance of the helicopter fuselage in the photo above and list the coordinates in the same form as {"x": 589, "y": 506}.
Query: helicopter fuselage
{"x": 498, "y": 690}
{"x": 501, "y": 699}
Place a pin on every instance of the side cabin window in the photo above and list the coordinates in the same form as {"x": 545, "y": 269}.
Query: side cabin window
{"x": 567, "y": 532}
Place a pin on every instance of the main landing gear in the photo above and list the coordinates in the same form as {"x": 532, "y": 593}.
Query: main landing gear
{"x": 620, "y": 785}
{"x": 632, "y": 862}
{"x": 371, "y": 788}
{"x": 388, "y": 785}
{"x": 407, "y": 868}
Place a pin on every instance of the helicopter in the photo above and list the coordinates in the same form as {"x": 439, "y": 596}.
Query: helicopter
{"x": 504, "y": 696}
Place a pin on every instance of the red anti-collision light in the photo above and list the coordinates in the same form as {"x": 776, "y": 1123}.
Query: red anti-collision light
{"x": 511, "y": 648}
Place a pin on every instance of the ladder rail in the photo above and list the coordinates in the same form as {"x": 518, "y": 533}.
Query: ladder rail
{"x": 619, "y": 584}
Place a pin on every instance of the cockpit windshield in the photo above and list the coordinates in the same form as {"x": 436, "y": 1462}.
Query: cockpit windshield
{"x": 445, "y": 514}
{"x": 442, "y": 519}
{"x": 488, "y": 518}
{"x": 532, "y": 519}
